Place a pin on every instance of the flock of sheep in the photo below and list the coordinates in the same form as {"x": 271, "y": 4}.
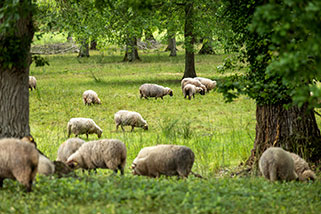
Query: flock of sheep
{"x": 21, "y": 160}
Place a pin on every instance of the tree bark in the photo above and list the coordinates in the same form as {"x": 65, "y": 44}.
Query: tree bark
{"x": 84, "y": 49}
{"x": 171, "y": 46}
{"x": 131, "y": 53}
{"x": 189, "y": 41}
{"x": 93, "y": 45}
{"x": 14, "y": 78}
{"x": 207, "y": 47}
{"x": 294, "y": 129}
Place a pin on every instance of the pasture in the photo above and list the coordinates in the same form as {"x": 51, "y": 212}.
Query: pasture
{"x": 220, "y": 134}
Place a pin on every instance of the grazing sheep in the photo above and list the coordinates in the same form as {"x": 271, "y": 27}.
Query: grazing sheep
{"x": 83, "y": 126}
{"x": 190, "y": 90}
{"x": 105, "y": 154}
{"x": 18, "y": 160}
{"x": 32, "y": 82}
{"x": 166, "y": 160}
{"x": 90, "y": 97}
{"x": 68, "y": 147}
{"x": 209, "y": 84}
{"x": 45, "y": 166}
{"x": 129, "y": 118}
{"x": 277, "y": 164}
{"x": 153, "y": 90}
{"x": 195, "y": 82}
{"x": 302, "y": 168}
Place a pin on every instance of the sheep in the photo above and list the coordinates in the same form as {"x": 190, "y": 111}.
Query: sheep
{"x": 129, "y": 118}
{"x": 277, "y": 164}
{"x": 32, "y": 82}
{"x": 209, "y": 84}
{"x": 83, "y": 126}
{"x": 190, "y": 90}
{"x": 169, "y": 160}
{"x": 90, "y": 97}
{"x": 193, "y": 82}
{"x": 105, "y": 154}
{"x": 302, "y": 168}
{"x": 18, "y": 160}
{"x": 45, "y": 166}
{"x": 68, "y": 147}
{"x": 153, "y": 90}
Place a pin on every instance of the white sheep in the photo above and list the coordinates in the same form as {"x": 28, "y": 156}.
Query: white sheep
{"x": 169, "y": 160}
{"x": 302, "y": 168}
{"x": 68, "y": 147}
{"x": 129, "y": 118}
{"x": 32, "y": 82}
{"x": 195, "y": 82}
{"x": 153, "y": 90}
{"x": 209, "y": 84}
{"x": 277, "y": 164}
{"x": 105, "y": 154}
{"x": 45, "y": 166}
{"x": 18, "y": 160}
{"x": 190, "y": 90}
{"x": 81, "y": 125}
{"x": 90, "y": 97}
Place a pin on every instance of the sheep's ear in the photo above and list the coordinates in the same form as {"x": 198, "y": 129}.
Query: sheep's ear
{"x": 72, "y": 164}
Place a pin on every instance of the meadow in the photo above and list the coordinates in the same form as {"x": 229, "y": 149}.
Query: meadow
{"x": 220, "y": 134}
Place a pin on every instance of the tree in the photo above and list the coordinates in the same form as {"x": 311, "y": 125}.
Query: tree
{"x": 16, "y": 33}
{"x": 282, "y": 63}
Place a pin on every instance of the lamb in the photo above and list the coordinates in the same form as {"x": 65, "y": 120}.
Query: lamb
{"x": 129, "y": 118}
{"x": 153, "y": 90}
{"x": 190, "y": 90}
{"x": 83, "y": 126}
{"x": 209, "y": 84}
{"x": 195, "y": 82}
{"x": 32, "y": 82}
{"x": 169, "y": 160}
{"x": 68, "y": 147}
{"x": 302, "y": 168}
{"x": 18, "y": 160}
{"x": 90, "y": 97}
{"x": 105, "y": 154}
{"x": 277, "y": 164}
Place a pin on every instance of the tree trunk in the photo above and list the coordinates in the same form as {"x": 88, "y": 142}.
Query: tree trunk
{"x": 207, "y": 47}
{"x": 15, "y": 60}
{"x": 84, "y": 49}
{"x": 294, "y": 129}
{"x": 131, "y": 53}
{"x": 172, "y": 46}
{"x": 189, "y": 41}
{"x": 93, "y": 45}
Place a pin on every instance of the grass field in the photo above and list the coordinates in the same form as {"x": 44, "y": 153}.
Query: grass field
{"x": 220, "y": 134}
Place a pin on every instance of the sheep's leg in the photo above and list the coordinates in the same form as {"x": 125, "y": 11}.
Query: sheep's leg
{"x": 122, "y": 128}
{"x": 273, "y": 173}
{"x": 1, "y": 182}
{"x": 115, "y": 171}
{"x": 185, "y": 96}
{"x": 189, "y": 97}
{"x": 24, "y": 177}
{"x": 87, "y": 135}
{"x": 155, "y": 98}
{"x": 121, "y": 169}
{"x": 132, "y": 128}
{"x": 117, "y": 125}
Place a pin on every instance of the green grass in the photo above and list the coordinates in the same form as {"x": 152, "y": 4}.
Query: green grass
{"x": 220, "y": 134}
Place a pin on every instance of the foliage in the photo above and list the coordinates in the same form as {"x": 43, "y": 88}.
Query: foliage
{"x": 283, "y": 62}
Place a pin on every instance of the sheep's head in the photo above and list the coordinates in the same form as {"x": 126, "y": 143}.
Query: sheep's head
{"x": 99, "y": 132}
{"x": 145, "y": 127}
{"x": 308, "y": 175}
{"x": 98, "y": 101}
{"x": 29, "y": 139}
{"x": 73, "y": 164}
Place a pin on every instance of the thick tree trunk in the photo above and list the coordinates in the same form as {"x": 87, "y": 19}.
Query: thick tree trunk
{"x": 131, "y": 53}
{"x": 84, "y": 49}
{"x": 207, "y": 47}
{"x": 294, "y": 129}
{"x": 93, "y": 45}
{"x": 189, "y": 41}
{"x": 15, "y": 60}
